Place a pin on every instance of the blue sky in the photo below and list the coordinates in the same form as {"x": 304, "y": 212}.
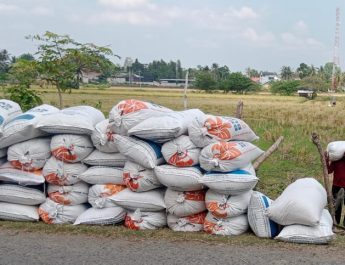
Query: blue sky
{"x": 262, "y": 34}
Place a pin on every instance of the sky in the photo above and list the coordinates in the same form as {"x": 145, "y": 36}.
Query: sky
{"x": 261, "y": 34}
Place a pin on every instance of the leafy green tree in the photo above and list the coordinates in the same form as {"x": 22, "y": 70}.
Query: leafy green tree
{"x": 286, "y": 87}
{"x": 315, "y": 82}
{"x": 23, "y": 72}
{"x": 286, "y": 73}
{"x": 205, "y": 80}
{"x": 25, "y": 97}
{"x": 238, "y": 83}
{"x": 252, "y": 72}
{"x": 304, "y": 70}
{"x": 26, "y": 56}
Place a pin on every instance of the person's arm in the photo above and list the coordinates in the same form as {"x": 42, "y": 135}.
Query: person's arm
{"x": 330, "y": 166}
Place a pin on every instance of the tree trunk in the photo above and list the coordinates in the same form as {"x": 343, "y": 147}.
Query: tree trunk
{"x": 60, "y": 97}
{"x": 239, "y": 109}
{"x": 269, "y": 151}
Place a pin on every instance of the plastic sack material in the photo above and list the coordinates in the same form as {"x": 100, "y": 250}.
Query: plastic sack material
{"x": 336, "y": 150}
{"x": 139, "y": 220}
{"x": 232, "y": 226}
{"x": 191, "y": 223}
{"x": 100, "y": 195}
{"x": 69, "y": 195}
{"x": 97, "y": 158}
{"x": 103, "y": 139}
{"x": 105, "y": 216}
{"x": 11, "y": 174}
{"x": 17, "y": 194}
{"x": 103, "y": 175}
{"x": 8, "y": 110}
{"x": 18, "y": 212}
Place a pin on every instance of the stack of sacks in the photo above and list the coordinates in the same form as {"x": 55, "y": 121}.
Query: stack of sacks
{"x": 300, "y": 208}
{"x": 227, "y": 155}
{"x": 8, "y": 111}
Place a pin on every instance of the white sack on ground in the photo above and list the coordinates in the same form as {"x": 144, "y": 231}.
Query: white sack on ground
{"x": 185, "y": 203}
{"x": 105, "y": 216}
{"x": 336, "y": 150}
{"x": 69, "y": 195}
{"x": 138, "y": 178}
{"x": 228, "y": 156}
{"x": 18, "y": 212}
{"x": 8, "y": 110}
{"x": 100, "y": 195}
{"x": 261, "y": 225}
{"x": 139, "y": 220}
{"x": 30, "y": 155}
{"x": 232, "y": 226}
{"x": 167, "y": 127}
{"x": 24, "y": 126}
{"x": 71, "y": 148}
{"x": 223, "y": 206}
{"x": 191, "y": 223}
{"x": 97, "y": 158}
{"x": 61, "y": 173}
{"x": 55, "y": 213}
{"x": 301, "y": 202}
{"x": 103, "y": 138}
{"x": 148, "y": 201}
{"x": 181, "y": 152}
{"x": 145, "y": 153}
{"x": 128, "y": 113}
{"x": 17, "y": 194}
{"x": 103, "y": 175}
{"x": 210, "y": 129}
{"x": 320, "y": 234}
{"x": 180, "y": 178}
{"x": 9, "y": 173}
{"x": 73, "y": 120}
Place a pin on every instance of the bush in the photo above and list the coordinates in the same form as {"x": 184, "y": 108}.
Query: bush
{"x": 25, "y": 97}
{"x": 287, "y": 87}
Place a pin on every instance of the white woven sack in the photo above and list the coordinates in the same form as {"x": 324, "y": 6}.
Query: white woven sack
{"x": 103, "y": 138}
{"x": 55, "y": 213}
{"x": 148, "y": 201}
{"x": 224, "y": 206}
{"x": 261, "y": 225}
{"x": 8, "y": 110}
{"x": 3, "y": 152}
{"x": 103, "y": 175}
{"x": 191, "y": 223}
{"x": 71, "y": 148}
{"x": 69, "y": 195}
{"x": 73, "y": 120}
{"x": 21, "y": 195}
{"x": 97, "y": 158}
{"x": 232, "y": 226}
{"x": 167, "y": 127}
{"x": 230, "y": 183}
{"x": 336, "y": 150}
{"x": 320, "y": 234}
{"x": 210, "y": 129}
{"x": 9, "y": 173}
{"x": 138, "y": 178}
{"x": 228, "y": 156}
{"x": 30, "y": 155}
{"x": 181, "y": 152}
{"x": 185, "y": 203}
{"x": 18, "y": 212}
{"x": 145, "y": 153}
{"x": 105, "y": 216}
{"x": 139, "y": 220}
{"x": 301, "y": 202}
{"x": 100, "y": 195}
{"x": 24, "y": 126}
{"x": 128, "y": 113}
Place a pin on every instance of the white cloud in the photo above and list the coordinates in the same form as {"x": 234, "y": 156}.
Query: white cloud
{"x": 245, "y": 13}
{"x": 261, "y": 38}
{"x": 300, "y": 27}
{"x": 8, "y": 7}
{"x": 42, "y": 11}
{"x": 292, "y": 42}
{"x": 123, "y": 17}
{"x": 125, "y": 3}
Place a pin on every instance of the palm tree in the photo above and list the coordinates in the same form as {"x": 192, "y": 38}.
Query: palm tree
{"x": 286, "y": 73}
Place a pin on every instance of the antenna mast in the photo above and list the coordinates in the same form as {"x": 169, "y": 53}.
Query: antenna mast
{"x": 336, "y": 61}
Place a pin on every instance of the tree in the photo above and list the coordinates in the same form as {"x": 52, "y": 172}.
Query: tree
{"x": 286, "y": 73}
{"x": 252, "y": 72}
{"x": 315, "y": 82}
{"x": 27, "y": 57}
{"x": 205, "y": 80}
{"x": 286, "y": 87}
{"x": 23, "y": 72}
{"x": 4, "y": 64}
{"x": 238, "y": 83}
{"x": 303, "y": 70}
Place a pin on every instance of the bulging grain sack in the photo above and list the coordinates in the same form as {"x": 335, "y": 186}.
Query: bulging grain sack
{"x": 128, "y": 113}
{"x": 73, "y": 120}
{"x": 21, "y": 195}
{"x": 181, "y": 152}
{"x": 71, "y": 148}
{"x": 100, "y": 195}
{"x": 105, "y": 216}
{"x": 228, "y": 156}
{"x": 261, "y": 225}
{"x": 184, "y": 203}
{"x": 211, "y": 129}
{"x": 103, "y": 175}
{"x": 69, "y": 195}
{"x": 223, "y": 206}
{"x": 139, "y": 220}
{"x": 301, "y": 202}
{"x": 61, "y": 173}
{"x": 138, "y": 178}
{"x": 180, "y": 178}
{"x": 319, "y": 234}
{"x": 336, "y": 150}
{"x": 148, "y": 201}
{"x": 165, "y": 128}
{"x": 232, "y": 226}
{"x": 18, "y": 212}
{"x": 103, "y": 138}
{"x": 145, "y": 153}
{"x": 24, "y": 126}
{"x": 8, "y": 110}
{"x": 9, "y": 173}
{"x": 30, "y": 155}
{"x": 191, "y": 223}
{"x": 55, "y": 213}
{"x": 97, "y": 158}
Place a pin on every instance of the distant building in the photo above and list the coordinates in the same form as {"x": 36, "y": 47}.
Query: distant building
{"x": 88, "y": 76}
{"x": 267, "y": 77}
{"x": 174, "y": 82}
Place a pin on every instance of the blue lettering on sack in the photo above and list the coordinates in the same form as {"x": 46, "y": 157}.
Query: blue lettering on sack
{"x": 235, "y": 172}
{"x": 24, "y": 117}
{"x": 1, "y": 120}
{"x": 156, "y": 148}
{"x": 273, "y": 225}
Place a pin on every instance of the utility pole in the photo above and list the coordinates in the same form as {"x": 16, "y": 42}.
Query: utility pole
{"x": 336, "y": 61}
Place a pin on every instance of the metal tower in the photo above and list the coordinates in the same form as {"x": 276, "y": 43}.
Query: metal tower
{"x": 336, "y": 61}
